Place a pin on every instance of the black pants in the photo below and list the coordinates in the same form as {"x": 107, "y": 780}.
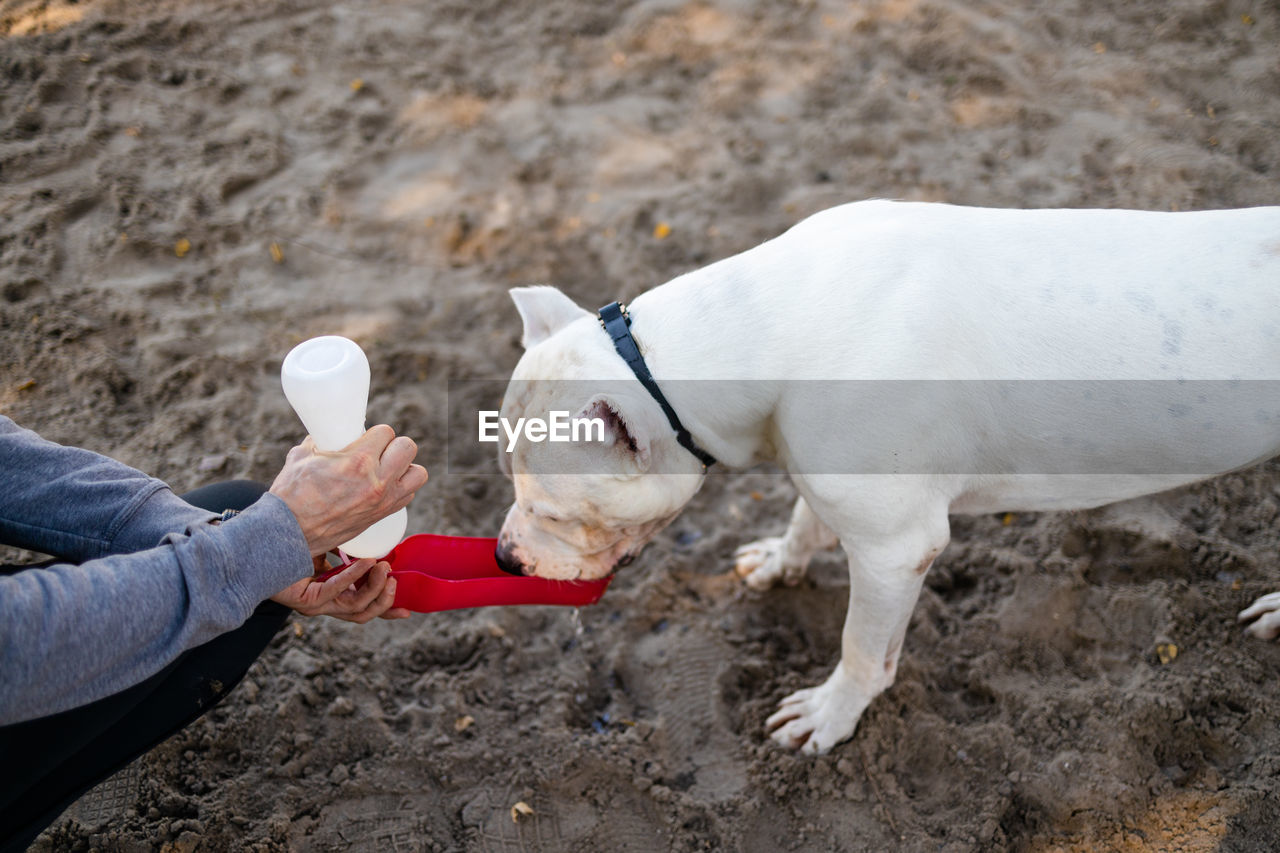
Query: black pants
{"x": 46, "y": 764}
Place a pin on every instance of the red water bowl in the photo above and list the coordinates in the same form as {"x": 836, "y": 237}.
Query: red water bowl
{"x": 436, "y": 573}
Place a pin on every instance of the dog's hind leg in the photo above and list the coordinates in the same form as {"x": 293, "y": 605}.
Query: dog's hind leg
{"x": 785, "y": 558}
{"x": 1263, "y": 616}
{"x": 886, "y": 571}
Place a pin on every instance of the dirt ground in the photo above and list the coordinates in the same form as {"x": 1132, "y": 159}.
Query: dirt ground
{"x": 187, "y": 189}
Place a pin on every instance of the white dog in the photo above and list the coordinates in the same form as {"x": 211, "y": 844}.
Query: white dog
{"x": 792, "y": 343}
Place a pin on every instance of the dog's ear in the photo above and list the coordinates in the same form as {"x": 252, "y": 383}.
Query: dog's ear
{"x": 545, "y": 311}
{"x": 629, "y": 435}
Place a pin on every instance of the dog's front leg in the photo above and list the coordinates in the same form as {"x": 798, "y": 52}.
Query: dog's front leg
{"x": 784, "y": 558}
{"x": 885, "y": 576}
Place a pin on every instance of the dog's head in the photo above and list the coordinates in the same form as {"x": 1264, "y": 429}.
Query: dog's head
{"x": 584, "y": 507}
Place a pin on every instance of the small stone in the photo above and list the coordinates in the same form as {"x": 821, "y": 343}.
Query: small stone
{"x": 687, "y": 537}
{"x": 339, "y": 774}
{"x": 291, "y": 706}
{"x": 212, "y": 462}
{"x": 341, "y": 707}
{"x": 299, "y": 663}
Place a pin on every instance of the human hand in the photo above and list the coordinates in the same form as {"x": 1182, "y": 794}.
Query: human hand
{"x": 338, "y": 495}
{"x": 339, "y": 596}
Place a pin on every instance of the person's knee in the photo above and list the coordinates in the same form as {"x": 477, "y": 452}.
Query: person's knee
{"x": 231, "y": 494}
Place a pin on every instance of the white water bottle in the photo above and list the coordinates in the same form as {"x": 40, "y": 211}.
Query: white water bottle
{"x": 326, "y": 380}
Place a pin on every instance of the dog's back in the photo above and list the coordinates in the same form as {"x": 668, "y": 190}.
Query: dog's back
{"x": 982, "y": 293}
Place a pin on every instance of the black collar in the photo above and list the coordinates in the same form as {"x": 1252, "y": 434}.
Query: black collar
{"x": 615, "y": 320}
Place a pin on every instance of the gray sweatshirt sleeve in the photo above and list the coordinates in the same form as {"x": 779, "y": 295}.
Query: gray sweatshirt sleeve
{"x": 155, "y": 577}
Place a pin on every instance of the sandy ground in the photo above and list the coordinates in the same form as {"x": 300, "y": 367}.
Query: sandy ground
{"x": 189, "y": 188}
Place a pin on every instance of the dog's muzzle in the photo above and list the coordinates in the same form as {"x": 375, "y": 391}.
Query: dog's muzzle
{"x": 507, "y": 562}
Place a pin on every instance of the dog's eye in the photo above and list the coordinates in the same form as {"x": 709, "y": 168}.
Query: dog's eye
{"x": 542, "y": 515}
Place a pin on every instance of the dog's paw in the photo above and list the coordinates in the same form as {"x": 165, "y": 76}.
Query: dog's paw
{"x": 1264, "y": 616}
{"x": 761, "y": 565}
{"x": 818, "y": 718}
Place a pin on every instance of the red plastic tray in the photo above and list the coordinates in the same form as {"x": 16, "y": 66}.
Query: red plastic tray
{"x": 436, "y": 573}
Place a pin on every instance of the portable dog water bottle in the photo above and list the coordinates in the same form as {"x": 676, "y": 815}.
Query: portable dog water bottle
{"x": 326, "y": 380}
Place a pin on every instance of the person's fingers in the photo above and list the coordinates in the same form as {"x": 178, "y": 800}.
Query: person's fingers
{"x": 374, "y": 441}
{"x": 374, "y": 586}
{"x": 351, "y": 604}
{"x": 396, "y": 458}
{"x": 405, "y": 488}
{"x": 299, "y": 451}
{"x": 379, "y": 605}
{"x": 335, "y": 586}
{"x": 413, "y": 479}
{"x": 307, "y": 447}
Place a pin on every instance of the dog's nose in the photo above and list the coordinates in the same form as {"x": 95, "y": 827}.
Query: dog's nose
{"x": 507, "y": 563}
